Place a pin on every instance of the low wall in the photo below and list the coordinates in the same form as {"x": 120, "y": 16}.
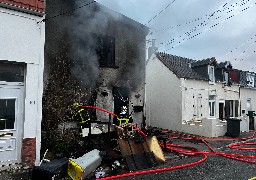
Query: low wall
{"x": 208, "y": 128}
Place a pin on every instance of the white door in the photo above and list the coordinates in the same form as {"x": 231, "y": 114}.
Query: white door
{"x": 11, "y": 124}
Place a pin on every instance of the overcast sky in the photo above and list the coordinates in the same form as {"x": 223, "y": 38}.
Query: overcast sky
{"x": 222, "y": 26}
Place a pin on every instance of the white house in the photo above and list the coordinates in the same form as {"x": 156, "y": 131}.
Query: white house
{"x": 190, "y": 96}
{"x": 22, "y": 37}
{"x": 248, "y": 100}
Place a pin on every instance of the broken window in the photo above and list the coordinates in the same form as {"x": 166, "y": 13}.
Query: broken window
{"x": 211, "y": 74}
{"x": 212, "y": 106}
{"x": 106, "y": 50}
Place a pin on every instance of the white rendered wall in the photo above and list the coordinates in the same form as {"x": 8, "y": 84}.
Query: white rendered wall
{"x": 211, "y": 126}
{"x": 246, "y": 93}
{"x": 163, "y": 96}
{"x": 22, "y": 40}
{"x": 192, "y": 88}
{"x": 20, "y": 36}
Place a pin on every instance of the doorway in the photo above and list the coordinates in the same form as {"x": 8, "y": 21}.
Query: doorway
{"x": 121, "y": 100}
{"x": 11, "y": 124}
{"x": 221, "y": 110}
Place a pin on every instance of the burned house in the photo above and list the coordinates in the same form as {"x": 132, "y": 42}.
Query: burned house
{"x": 94, "y": 56}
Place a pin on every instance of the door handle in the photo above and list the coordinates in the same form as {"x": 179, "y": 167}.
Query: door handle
{"x": 6, "y": 134}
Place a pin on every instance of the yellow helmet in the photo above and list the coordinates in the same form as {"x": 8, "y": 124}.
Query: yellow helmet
{"x": 75, "y": 104}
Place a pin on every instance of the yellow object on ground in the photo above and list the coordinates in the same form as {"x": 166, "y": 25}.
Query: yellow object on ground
{"x": 74, "y": 170}
{"x": 81, "y": 167}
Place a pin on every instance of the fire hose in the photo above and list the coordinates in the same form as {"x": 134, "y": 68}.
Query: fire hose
{"x": 190, "y": 151}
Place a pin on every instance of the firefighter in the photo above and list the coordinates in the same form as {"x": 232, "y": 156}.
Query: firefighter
{"x": 82, "y": 116}
{"x": 124, "y": 117}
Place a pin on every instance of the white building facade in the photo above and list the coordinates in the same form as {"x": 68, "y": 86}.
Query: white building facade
{"x": 186, "y": 95}
{"x": 248, "y": 100}
{"x": 22, "y": 37}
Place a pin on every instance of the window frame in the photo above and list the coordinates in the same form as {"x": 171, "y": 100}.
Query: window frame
{"x": 211, "y": 76}
{"x": 212, "y": 106}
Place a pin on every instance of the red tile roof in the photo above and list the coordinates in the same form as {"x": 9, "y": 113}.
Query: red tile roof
{"x": 34, "y": 5}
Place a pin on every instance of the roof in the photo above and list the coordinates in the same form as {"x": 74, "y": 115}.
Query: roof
{"x": 225, "y": 65}
{"x": 208, "y": 61}
{"x": 31, "y": 6}
{"x": 180, "y": 66}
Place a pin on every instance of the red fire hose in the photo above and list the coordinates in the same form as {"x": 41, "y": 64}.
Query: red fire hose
{"x": 100, "y": 109}
{"x": 190, "y": 150}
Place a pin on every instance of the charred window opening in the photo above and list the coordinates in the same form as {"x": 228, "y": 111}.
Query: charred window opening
{"x": 121, "y": 102}
{"x": 105, "y": 50}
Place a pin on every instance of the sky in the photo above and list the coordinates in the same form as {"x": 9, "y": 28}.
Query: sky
{"x": 198, "y": 29}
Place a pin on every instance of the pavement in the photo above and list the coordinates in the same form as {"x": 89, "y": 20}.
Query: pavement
{"x": 214, "y": 168}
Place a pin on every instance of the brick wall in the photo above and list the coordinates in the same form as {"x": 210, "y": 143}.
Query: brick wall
{"x": 28, "y": 151}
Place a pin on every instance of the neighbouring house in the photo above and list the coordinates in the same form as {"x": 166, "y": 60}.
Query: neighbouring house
{"x": 22, "y": 37}
{"x": 248, "y": 99}
{"x": 191, "y": 96}
{"x": 94, "y": 56}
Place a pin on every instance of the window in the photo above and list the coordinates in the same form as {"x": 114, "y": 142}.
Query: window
{"x": 227, "y": 79}
{"x": 212, "y": 106}
{"x": 231, "y": 108}
{"x": 211, "y": 74}
{"x": 7, "y": 114}
{"x": 221, "y": 110}
{"x": 11, "y": 72}
{"x": 248, "y": 104}
{"x": 105, "y": 50}
{"x": 198, "y": 106}
{"x": 250, "y": 79}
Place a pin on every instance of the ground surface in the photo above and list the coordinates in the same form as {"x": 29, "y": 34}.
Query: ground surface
{"x": 215, "y": 167}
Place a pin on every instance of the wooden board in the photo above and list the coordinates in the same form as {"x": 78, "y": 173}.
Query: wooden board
{"x": 154, "y": 146}
{"x": 124, "y": 147}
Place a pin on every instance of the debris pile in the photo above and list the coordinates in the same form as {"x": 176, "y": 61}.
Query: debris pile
{"x": 108, "y": 149}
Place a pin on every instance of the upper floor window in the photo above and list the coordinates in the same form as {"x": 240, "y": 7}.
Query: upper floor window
{"x": 250, "y": 79}
{"x": 211, "y": 74}
{"x": 106, "y": 50}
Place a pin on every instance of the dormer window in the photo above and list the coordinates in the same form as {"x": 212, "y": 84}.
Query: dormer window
{"x": 211, "y": 74}
{"x": 250, "y": 79}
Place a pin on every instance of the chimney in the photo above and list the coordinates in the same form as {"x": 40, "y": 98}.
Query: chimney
{"x": 152, "y": 49}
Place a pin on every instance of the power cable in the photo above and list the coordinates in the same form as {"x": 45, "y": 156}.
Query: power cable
{"x": 204, "y": 23}
{"x": 242, "y": 44}
{"x": 195, "y": 35}
{"x": 67, "y": 12}
{"x": 194, "y": 20}
{"x": 161, "y": 11}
